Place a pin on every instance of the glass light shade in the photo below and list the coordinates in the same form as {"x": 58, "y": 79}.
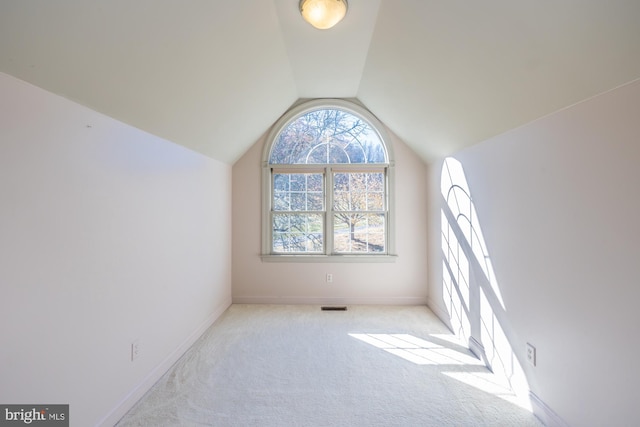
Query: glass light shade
{"x": 323, "y": 14}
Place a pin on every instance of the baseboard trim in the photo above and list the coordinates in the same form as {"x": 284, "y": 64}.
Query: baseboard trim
{"x": 545, "y": 413}
{"x": 478, "y": 350}
{"x": 439, "y": 311}
{"x": 331, "y": 301}
{"x": 155, "y": 374}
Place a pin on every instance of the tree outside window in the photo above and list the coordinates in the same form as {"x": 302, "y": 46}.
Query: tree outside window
{"x": 328, "y": 186}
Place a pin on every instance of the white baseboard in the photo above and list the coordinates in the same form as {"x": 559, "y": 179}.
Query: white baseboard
{"x": 155, "y": 374}
{"x": 478, "y": 350}
{"x": 439, "y": 311}
{"x": 540, "y": 409}
{"x": 545, "y": 413}
{"x": 331, "y": 301}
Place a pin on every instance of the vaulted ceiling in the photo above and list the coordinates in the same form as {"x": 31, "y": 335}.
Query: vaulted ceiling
{"x": 214, "y": 75}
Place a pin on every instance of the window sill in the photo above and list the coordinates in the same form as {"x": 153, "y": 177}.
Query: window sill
{"x": 330, "y": 258}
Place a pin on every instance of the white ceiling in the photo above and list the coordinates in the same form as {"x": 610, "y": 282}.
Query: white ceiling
{"x": 214, "y": 75}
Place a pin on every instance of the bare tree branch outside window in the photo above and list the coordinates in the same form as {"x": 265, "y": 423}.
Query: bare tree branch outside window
{"x": 300, "y": 215}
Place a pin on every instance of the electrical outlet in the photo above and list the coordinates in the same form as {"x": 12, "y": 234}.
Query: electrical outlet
{"x": 531, "y": 354}
{"x": 329, "y": 278}
{"x": 135, "y": 350}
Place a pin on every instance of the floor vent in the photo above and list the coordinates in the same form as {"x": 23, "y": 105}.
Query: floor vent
{"x": 333, "y": 308}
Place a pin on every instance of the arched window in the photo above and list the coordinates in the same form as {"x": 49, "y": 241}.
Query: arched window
{"x": 327, "y": 179}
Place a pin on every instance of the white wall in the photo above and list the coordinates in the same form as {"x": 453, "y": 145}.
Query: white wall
{"x": 107, "y": 234}
{"x": 401, "y": 282}
{"x": 557, "y": 201}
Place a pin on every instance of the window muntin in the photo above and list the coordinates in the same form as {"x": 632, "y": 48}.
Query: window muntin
{"x": 359, "y": 212}
{"x": 367, "y": 236}
{"x": 359, "y": 191}
{"x": 298, "y": 191}
{"x": 328, "y": 171}
{"x": 327, "y": 136}
{"x": 298, "y": 233}
{"x": 298, "y": 212}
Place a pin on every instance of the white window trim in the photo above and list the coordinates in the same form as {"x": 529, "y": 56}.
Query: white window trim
{"x": 288, "y": 117}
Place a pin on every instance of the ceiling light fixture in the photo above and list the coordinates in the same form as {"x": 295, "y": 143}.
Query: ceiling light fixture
{"x": 323, "y": 14}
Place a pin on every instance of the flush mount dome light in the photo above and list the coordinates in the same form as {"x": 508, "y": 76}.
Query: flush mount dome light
{"x": 323, "y": 14}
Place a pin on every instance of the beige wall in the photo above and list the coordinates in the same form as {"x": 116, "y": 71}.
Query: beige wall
{"x": 557, "y": 202}
{"x": 107, "y": 235}
{"x": 401, "y": 282}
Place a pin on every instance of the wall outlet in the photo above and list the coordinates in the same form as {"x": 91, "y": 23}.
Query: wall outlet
{"x": 531, "y": 354}
{"x": 135, "y": 350}
{"x": 329, "y": 278}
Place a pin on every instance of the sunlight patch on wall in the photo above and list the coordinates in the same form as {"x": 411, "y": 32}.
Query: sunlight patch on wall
{"x": 455, "y": 278}
{"x": 471, "y": 293}
{"x": 457, "y": 194}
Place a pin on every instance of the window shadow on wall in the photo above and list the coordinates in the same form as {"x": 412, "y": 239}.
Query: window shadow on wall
{"x": 470, "y": 289}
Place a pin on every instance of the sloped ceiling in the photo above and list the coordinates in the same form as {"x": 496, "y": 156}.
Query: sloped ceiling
{"x": 214, "y": 75}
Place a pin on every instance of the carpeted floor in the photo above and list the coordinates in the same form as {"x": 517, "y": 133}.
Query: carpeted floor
{"x": 271, "y": 365}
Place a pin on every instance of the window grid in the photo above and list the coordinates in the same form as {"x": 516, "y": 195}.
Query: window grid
{"x": 356, "y": 218}
{"x": 359, "y": 215}
{"x": 298, "y": 212}
{"x": 360, "y": 227}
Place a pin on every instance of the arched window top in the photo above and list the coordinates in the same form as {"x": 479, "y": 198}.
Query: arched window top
{"x": 327, "y": 134}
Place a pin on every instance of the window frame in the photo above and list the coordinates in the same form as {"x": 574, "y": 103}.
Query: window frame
{"x": 328, "y": 170}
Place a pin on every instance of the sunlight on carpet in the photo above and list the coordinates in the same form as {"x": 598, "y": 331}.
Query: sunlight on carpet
{"x": 270, "y": 365}
{"x": 424, "y": 352}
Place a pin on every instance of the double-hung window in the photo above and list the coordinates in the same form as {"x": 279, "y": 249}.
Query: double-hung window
{"x": 327, "y": 181}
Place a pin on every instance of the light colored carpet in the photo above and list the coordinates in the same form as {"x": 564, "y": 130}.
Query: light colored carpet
{"x": 271, "y": 365}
